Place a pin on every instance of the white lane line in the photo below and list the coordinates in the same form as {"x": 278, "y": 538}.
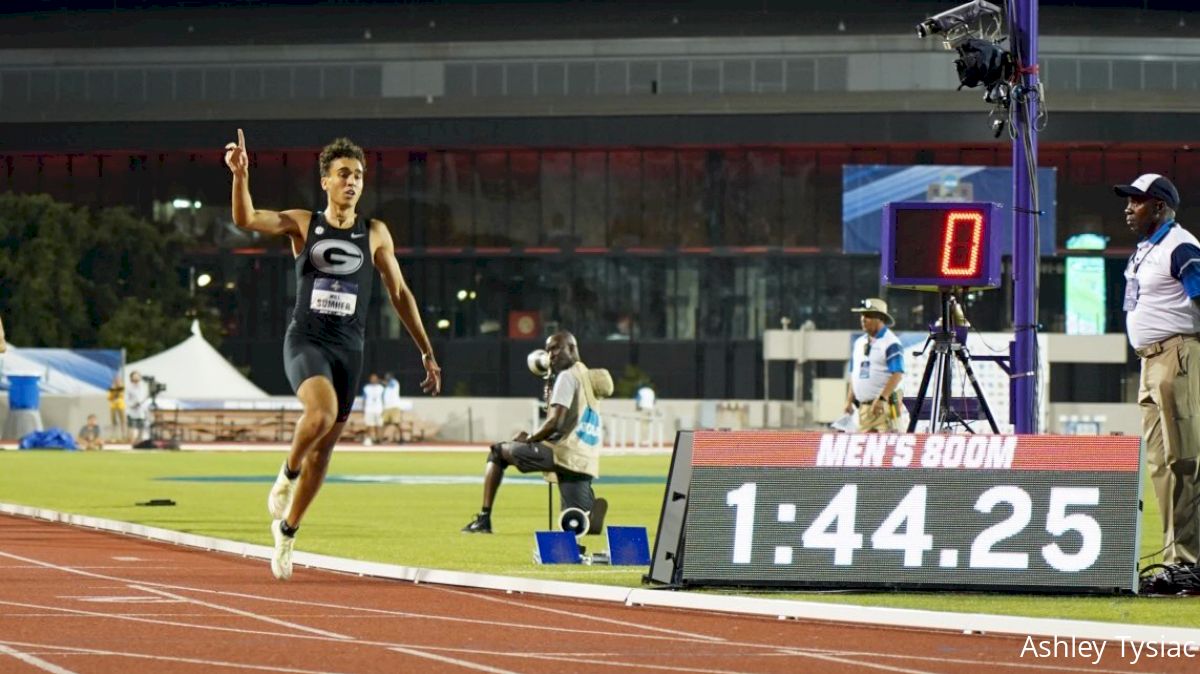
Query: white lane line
{"x": 960, "y": 661}
{"x": 32, "y": 660}
{"x": 872, "y": 665}
{"x": 172, "y": 623}
{"x": 364, "y": 609}
{"x": 407, "y": 614}
{"x": 641, "y": 666}
{"x": 573, "y": 614}
{"x": 453, "y": 661}
{"x": 73, "y": 650}
{"x": 240, "y": 612}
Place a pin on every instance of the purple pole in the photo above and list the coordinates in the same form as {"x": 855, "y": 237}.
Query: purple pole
{"x": 1023, "y": 31}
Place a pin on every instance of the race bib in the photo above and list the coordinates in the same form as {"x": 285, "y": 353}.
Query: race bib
{"x": 333, "y": 297}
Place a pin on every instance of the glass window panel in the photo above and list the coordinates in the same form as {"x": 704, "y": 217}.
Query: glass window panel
{"x": 189, "y": 84}
{"x": 734, "y": 176}
{"x": 277, "y": 83}
{"x": 1159, "y": 75}
{"x": 1059, "y": 73}
{"x": 85, "y": 179}
{"x": 218, "y": 84}
{"x": 460, "y": 79}
{"x": 801, "y": 75}
{"x": 101, "y": 85}
{"x": 768, "y": 76}
{"x": 457, "y": 197}
{"x": 625, "y": 198}
{"x": 737, "y": 76}
{"x": 555, "y": 177}
{"x": 491, "y": 200}
{"x": 1093, "y": 74}
{"x": 643, "y": 77}
{"x": 306, "y": 82}
{"x": 762, "y": 199}
{"x": 581, "y": 79}
{"x": 590, "y": 191}
{"x": 160, "y": 85}
{"x": 1126, "y": 75}
{"x": 525, "y": 208}
{"x": 72, "y": 86}
{"x": 660, "y": 191}
{"x": 15, "y": 86}
{"x": 368, "y": 81}
{"x": 131, "y": 85}
{"x": 489, "y": 79}
{"x": 831, "y": 73}
{"x": 519, "y": 79}
{"x": 797, "y": 178}
{"x": 706, "y": 77}
{"x": 551, "y": 79}
{"x": 610, "y": 78}
{"x": 394, "y": 200}
{"x": 247, "y": 83}
{"x": 693, "y": 214}
{"x": 683, "y": 283}
{"x": 1187, "y": 75}
{"x": 337, "y": 82}
{"x": 43, "y": 87}
{"x": 674, "y": 77}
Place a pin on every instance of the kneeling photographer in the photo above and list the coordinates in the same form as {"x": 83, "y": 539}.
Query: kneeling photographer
{"x": 567, "y": 443}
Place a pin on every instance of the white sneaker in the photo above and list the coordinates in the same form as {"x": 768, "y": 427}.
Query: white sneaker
{"x": 279, "y": 501}
{"x": 281, "y": 561}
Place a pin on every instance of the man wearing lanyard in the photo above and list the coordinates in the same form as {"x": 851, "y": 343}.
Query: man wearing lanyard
{"x": 876, "y": 370}
{"x": 1162, "y": 291}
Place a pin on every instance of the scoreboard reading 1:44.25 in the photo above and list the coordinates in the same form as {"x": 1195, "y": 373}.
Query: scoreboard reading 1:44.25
{"x": 1023, "y": 513}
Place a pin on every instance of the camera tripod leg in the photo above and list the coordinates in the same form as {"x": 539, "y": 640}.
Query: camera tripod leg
{"x": 916, "y": 411}
{"x": 987, "y": 411}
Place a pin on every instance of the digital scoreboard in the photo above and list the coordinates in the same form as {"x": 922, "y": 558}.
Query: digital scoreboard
{"x": 938, "y": 245}
{"x": 830, "y": 510}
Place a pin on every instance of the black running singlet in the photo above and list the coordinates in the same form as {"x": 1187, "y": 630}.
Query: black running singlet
{"x": 333, "y": 277}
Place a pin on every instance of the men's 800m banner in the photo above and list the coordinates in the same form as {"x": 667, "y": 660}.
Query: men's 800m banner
{"x": 1025, "y": 513}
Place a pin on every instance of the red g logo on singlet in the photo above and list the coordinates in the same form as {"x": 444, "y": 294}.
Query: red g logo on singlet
{"x": 334, "y": 256}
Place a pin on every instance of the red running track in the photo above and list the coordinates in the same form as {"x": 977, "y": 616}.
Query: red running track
{"x": 88, "y": 602}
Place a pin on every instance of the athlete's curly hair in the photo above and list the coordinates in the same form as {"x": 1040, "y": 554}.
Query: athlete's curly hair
{"x": 340, "y": 147}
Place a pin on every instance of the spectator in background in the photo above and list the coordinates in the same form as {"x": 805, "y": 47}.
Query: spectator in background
{"x": 372, "y": 409}
{"x": 116, "y": 409}
{"x": 89, "y": 436}
{"x": 137, "y": 402}
{"x": 392, "y": 412}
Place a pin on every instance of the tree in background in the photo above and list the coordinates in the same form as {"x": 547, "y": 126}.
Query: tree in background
{"x": 75, "y": 278}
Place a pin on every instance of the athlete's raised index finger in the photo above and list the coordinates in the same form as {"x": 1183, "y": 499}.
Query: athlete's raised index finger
{"x": 241, "y": 139}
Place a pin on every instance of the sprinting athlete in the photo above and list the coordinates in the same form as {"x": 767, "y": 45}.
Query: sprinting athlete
{"x": 323, "y": 349}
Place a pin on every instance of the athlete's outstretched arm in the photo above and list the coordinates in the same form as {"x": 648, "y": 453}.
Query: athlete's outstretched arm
{"x": 3, "y": 343}
{"x": 244, "y": 214}
{"x": 383, "y": 253}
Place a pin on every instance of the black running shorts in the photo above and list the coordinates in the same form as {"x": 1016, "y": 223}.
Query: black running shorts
{"x": 305, "y": 357}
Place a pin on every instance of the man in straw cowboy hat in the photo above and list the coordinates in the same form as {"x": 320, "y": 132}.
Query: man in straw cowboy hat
{"x": 876, "y": 370}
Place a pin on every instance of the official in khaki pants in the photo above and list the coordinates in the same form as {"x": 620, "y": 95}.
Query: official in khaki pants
{"x": 1162, "y": 289}
{"x": 876, "y": 370}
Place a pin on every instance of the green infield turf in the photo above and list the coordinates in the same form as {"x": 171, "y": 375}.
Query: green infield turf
{"x": 408, "y": 509}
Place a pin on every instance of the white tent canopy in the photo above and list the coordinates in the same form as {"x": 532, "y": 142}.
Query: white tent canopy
{"x": 194, "y": 370}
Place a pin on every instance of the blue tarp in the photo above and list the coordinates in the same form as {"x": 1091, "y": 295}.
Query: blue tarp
{"x": 51, "y": 438}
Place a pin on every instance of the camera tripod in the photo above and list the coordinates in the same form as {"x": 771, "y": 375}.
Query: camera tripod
{"x": 939, "y": 367}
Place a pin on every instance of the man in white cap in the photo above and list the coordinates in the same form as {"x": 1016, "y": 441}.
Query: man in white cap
{"x": 1162, "y": 319}
{"x": 876, "y": 370}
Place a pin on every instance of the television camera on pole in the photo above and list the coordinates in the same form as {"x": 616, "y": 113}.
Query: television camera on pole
{"x": 947, "y": 248}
